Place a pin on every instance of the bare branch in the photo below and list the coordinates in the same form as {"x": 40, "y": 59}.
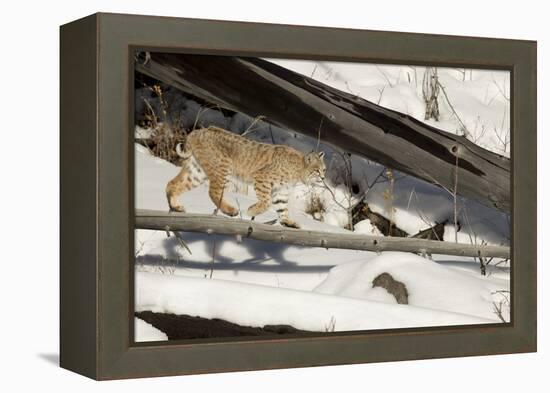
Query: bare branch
{"x": 500, "y": 89}
{"x": 385, "y": 76}
{"x": 250, "y": 128}
{"x": 463, "y": 127}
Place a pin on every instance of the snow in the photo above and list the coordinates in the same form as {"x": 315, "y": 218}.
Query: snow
{"x": 256, "y": 305}
{"x": 430, "y": 285}
{"x": 255, "y": 283}
{"x": 365, "y": 227}
{"x": 144, "y": 331}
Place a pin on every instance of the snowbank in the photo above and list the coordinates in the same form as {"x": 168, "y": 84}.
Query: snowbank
{"x": 257, "y": 306}
{"x": 429, "y": 284}
{"x": 365, "y": 227}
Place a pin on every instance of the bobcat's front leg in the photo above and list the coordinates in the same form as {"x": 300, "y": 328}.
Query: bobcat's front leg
{"x": 280, "y": 202}
{"x": 263, "y": 193}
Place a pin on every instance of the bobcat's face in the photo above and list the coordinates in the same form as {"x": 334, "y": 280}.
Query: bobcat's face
{"x": 315, "y": 169}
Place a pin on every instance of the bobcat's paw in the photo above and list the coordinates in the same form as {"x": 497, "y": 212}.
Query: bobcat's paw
{"x": 256, "y": 209}
{"x": 177, "y": 208}
{"x": 290, "y": 223}
{"x": 230, "y": 211}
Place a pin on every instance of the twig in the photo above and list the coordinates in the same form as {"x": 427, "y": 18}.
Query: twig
{"x": 313, "y": 72}
{"x": 463, "y": 127}
{"x": 331, "y": 326}
{"x": 319, "y": 134}
{"x": 422, "y": 216}
{"x": 202, "y": 110}
{"x": 271, "y": 133}
{"x": 503, "y": 93}
{"x": 497, "y": 307}
{"x": 153, "y": 115}
{"x": 370, "y": 186}
{"x": 199, "y": 113}
{"x": 142, "y": 243}
{"x": 249, "y": 129}
{"x": 385, "y": 76}
{"x": 182, "y": 242}
{"x": 504, "y": 142}
{"x": 213, "y": 258}
{"x": 327, "y": 187}
{"x": 415, "y": 76}
{"x": 455, "y": 150}
{"x": 164, "y": 106}
{"x": 177, "y": 236}
{"x": 380, "y": 93}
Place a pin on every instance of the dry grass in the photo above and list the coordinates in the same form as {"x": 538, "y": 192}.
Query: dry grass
{"x": 163, "y": 141}
{"x": 315, "y": 206}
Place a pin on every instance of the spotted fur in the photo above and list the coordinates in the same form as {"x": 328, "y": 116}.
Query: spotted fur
{"x": 215, "y": 154}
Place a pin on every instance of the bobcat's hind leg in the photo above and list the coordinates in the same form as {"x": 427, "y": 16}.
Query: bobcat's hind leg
{"x": 190, "y": 176}
{"x": 263, "y": 193}
{"x": 218, "y": 179}
{"x": 217, "y": 167}
{"x": 217, "y": 186}
{"x": 279, "y": 198}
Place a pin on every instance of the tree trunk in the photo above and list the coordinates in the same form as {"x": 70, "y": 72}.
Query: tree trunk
{"x": 257, "y": 87}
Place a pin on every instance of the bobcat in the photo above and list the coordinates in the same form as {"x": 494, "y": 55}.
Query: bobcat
{"x": 214, "y": 154}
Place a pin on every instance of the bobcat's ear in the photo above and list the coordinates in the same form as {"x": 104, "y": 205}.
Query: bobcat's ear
{"x": 321, "y": 154}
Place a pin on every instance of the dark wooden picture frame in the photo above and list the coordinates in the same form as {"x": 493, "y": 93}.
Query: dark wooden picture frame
{"x": 97, "y": 208}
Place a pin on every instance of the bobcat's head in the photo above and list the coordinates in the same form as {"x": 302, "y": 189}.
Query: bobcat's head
{"x": 315, "y": 168}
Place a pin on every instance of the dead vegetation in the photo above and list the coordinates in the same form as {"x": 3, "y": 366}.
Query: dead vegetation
{"x": 162, "y": 142}
{"x": 315, "y": 206}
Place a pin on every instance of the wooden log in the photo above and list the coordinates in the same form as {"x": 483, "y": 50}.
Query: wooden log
{"x": 362, "y": 211}
{"x": 217, "y": 224}
{"x": 257, "y": 87}
{"x": 434, "y": 233}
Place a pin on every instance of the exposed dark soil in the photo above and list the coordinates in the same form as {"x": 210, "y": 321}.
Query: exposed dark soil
{"x": 183, "y": 327}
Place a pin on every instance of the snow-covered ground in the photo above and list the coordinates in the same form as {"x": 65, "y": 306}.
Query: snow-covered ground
{"x": 259, "y": 305}
{"x": 256, "y": 283}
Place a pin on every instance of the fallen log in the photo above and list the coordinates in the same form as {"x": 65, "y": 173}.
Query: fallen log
{"x": 433, "y": 233}
{"x": 257, "y": 87}
{"x": 185, "y": 327}
{"x": 216, "y": 224}
{"x": 386, "y": 227}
